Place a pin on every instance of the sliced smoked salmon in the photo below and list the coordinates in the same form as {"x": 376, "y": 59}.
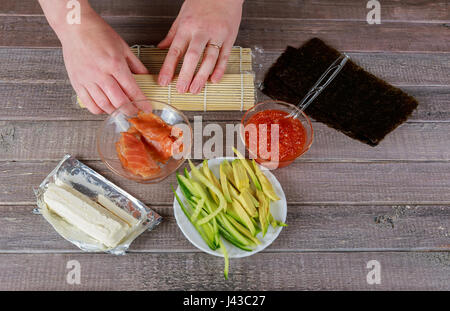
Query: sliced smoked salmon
{"x": 148, "y": 140}
{"x": 134, "y": 156}
{"x": 156, "y": 132}
{"x": 153, "y": 118}
{"x": 173, "y": 131}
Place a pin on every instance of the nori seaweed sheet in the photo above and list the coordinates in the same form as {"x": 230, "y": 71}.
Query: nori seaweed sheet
{"x": 356, "y": 102}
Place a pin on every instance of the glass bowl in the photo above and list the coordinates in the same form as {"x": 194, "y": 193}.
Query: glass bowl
{"x": 109, "y": 133}
{"x": 283, "y": 106}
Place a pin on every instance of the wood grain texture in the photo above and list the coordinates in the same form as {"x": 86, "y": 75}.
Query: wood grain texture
{"x": 431, "y": 11}
{"x": 348, "y": 203}
{"x": 46, "y": 66}
{"x": 349, "y": 183}
{"x": 198, "y": 271}
{"x": 48, "y": 94}
{"x": 310, "y": 228}
{"x": 56, "y": 101}
{"x": 49, "y": 140}
{"x": 34, "y": 31}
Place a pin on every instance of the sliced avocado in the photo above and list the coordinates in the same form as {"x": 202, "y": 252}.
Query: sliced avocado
{"x": 224, "y": 183}
{"x": 243, "y": 230}
{"x": 254, "y": 200}
{"x": 264, "y": 206}
{"x": 267, "y": 187}
{"x": 275, "y": 222}
{"x": 248, "y": 168}
{"x": 240, "y": 175}
{"x": 247, "y": 202}
{"x": 208, "y": 174}
{"x": 228, "y": 169}
{"x": 243, "y": 216}
{"x": 234, "y": 193}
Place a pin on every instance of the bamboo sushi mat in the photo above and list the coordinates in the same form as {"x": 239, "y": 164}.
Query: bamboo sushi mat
{"x": 236, "y": 90}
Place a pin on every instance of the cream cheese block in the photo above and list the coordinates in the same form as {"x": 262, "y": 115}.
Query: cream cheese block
{"x": 85, "y": 214}
{"x": 113, "y": 208}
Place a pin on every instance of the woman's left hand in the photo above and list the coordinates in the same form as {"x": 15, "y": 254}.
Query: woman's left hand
{"x": 203, "y": 27}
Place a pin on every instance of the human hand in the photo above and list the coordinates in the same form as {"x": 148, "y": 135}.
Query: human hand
{"x": 100, "y": 65}
{"x": 207, "y": 28}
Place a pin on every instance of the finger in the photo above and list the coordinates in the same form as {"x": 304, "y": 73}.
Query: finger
{"x": 129, "y": 109}
{"x": 128, "y": 84}
{"x": 100, "y": 98}
{"x": 144, "y": 105}
{"x": 190, "y": 62}
{"x": 206, "y": 68}
{"x": 176, "y": 50}
{"x": 135, "y": 64}
{"x": 221, "y": 65}
{"x": 167, "y": 41}
{"x": 114, "y": 92}
{"x": 87, "y": 101}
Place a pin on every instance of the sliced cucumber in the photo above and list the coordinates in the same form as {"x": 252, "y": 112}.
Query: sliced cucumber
{"x": 222, "y": 202}
{"x": 232, "y": 240}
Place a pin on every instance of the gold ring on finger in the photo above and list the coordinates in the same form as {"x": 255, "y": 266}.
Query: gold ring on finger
{"x": 217, "y": 46}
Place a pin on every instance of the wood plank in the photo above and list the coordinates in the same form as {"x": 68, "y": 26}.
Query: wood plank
{"x": 34, "y": 31}
{"x": 323, "y": 9}
{"x": 48, "y": 95}
{"x": 303, "y": 183}
{"x": 310, "y": 228}
{"x": 24, "y": 141}
{"x": 400, "y": 69}
{"x": 198, "y": 271}
{"x": 50, "y": 101}
{"x": 41, "y": 66}
{"x": 46, "y": 66}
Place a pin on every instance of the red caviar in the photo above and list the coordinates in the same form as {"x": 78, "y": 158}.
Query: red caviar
{"x": 292, "y": 135}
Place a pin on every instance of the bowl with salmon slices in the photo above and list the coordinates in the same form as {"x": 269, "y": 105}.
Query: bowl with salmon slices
{"x": 145, "y": 140}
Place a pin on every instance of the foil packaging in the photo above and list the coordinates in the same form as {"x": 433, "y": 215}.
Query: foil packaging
{"x": 85, "y": 180}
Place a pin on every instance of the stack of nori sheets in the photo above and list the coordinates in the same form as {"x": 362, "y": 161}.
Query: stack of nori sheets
{"x": 356, "y": 102}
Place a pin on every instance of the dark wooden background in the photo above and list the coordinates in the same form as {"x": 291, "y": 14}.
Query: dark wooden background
{"x": 348, "y": 203}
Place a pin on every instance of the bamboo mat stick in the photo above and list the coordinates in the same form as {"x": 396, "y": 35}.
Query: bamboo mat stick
{"x": 240, "y": 59}
{"x": 234, "y": 92}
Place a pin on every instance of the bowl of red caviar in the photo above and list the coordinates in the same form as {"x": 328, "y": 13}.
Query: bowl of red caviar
{"x": 276, "y": 133}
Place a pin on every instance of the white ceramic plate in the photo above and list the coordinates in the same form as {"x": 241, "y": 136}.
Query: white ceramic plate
{"x": 278, "y": 210}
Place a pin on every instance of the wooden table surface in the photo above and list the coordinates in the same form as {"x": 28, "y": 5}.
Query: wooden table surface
{"x": 348, "y": 203}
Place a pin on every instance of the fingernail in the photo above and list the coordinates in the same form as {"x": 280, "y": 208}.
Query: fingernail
{"x": 182, "y": 87}
{"x": 164, "y": 81}
{"x": 214, "y": 79}
{"x": 195, "y": 88}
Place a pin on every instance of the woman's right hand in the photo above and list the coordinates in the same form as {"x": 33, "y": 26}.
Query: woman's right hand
{"x": 100, "y": 65}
